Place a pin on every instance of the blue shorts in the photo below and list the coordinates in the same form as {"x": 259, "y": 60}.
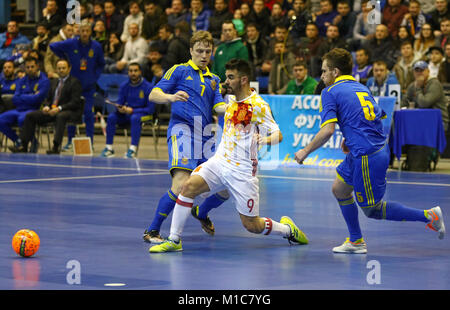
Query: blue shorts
{"x": 367, "y": 175}
{"x": 186, "y": 154}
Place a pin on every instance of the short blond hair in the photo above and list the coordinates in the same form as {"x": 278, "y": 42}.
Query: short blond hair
{"x": 202, "y": 36}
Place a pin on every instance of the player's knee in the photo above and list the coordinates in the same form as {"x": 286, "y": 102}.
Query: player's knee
{"x": 188, "y": 188}
{"x": 373, "y": 212}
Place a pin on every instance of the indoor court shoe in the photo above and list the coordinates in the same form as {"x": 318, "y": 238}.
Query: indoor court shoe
{"x": 152, "y": 236}
{"x": 348, "y": 247}
{"x": 166, "y": 246}
{"x": 297, "y": 236}
{"x": 130, "y": 154}
{"x": 17, "y": 149}
{"x": 107, "y": 153}
{"x": 437, "y": 221}
{"x": 68, "y": 147}
{"x": 207, "y": 225}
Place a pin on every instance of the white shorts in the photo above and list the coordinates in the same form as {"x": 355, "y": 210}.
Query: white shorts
{"x": 242, "y": 186}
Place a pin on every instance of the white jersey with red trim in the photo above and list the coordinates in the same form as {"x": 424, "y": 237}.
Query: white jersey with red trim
{"x": 242, "y": 121}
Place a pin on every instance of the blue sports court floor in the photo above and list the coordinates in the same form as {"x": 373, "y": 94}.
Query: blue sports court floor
{"x": 90, "y": 214}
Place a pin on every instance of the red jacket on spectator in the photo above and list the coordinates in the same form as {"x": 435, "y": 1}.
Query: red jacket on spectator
{"x": 393, "y": 16}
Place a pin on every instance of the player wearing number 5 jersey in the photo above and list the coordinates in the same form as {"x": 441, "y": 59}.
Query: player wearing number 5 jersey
{"x": 248, "y": 122}
{"x": 350, "y": 105}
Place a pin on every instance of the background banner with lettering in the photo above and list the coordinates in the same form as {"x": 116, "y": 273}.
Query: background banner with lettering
{"x": 299, "y": 121}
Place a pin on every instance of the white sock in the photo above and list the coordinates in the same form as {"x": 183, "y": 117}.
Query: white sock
{"x": 275, "y": 227}
{"x": 133, "y": 148}
{"x": 181, "y": 213}
{"x": 109, "y": 147}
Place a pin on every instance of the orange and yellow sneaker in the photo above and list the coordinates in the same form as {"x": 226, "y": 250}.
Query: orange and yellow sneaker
{"x": 436, "y": 221}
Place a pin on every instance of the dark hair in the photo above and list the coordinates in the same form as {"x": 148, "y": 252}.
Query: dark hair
{"x": 380, "y": 63}
{"x": 241, "y": 66}
{"x": 135, "y": 64}
{"x": 300, "y": 63}
{"x": 29, "y": 58}
{"x": 341, "y": 59}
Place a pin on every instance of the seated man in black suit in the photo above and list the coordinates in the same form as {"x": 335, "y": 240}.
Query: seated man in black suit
{"x": 63, "y": 104}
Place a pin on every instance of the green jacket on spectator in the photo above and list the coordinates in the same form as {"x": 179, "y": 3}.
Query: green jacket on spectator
{"x": 306, "y": 88}
{"x": 226, "y": 51}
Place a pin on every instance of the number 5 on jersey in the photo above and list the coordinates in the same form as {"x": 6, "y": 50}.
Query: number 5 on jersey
{"x": 367, "y": 106}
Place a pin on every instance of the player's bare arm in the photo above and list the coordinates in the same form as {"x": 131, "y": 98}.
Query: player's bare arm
{"x": 160, "y": 97}
{"x": 274, "y": 138}
{"x": 320, "y": 139}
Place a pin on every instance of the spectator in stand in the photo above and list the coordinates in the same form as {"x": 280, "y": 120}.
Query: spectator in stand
{"x": 425, "y": 40}
{"x": 98, "y": 12}
{"x": 52, "y": 17}
{"x": 135, "y": 51}
{"x": 231, "y": 47}
{"x": 9, "y": 40}
{"x": 277, "y": 17}
{"x": 425, "y": 92}
{"x": 440, "y": 13}
{"x": 362, "y": 69}
{"x": 177, "y": 46}
{"x": 307, "y": 49}
{"x": 114, "y": 49}
{"x": 176, "y": 13}
{"x": 381, "y": 80}
{"x": 302, "y": 19}
{"x": 382, "y": 47}
{"x": 31, "y": 91}
{"x": 100, "y": 34}
{"x": 414, "y": 19}
{"x": 50, "y": 59}
{"x": 302, "y": 84}
{"x": 112, "y": 18}
{"x": 198, "y": 16}
{"x": 393, "y": 14}
{"x": 42, "y": 40}
{"x": 326, "y": 16}
{"x": 435, "y": 55}
{"x": 238, "y": 22}
{"x": 403, "y": 68}
{"x": 364, "y": 30}
{"x": 345, "y": 20}
{"x": 154, "y": 18}
{"x": 332, "y": 40}
{"x": 280, "y": 35}
{"x": 154, "y": 57}
{"x": 260, "y": 15}
{"x": 245, "y": 11}
{"x": 281, "y": 69}
{"x": 135, "y": 17}
{"x": 444, "y": 70}
{"x": 219, "y": 15}
{"x": 256, "y": 46}
{"x": 445, "y": 32}
{"x": 404, "y": 35}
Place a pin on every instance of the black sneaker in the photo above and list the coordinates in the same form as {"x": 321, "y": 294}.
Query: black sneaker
{"x": 152, "y": 236}
{"x": 207, "y": 225}
{"x": 17, "y": 149}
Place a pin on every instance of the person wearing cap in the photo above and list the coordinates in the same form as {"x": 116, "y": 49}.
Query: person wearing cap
{"x": 436, "y": 56}
{"x": 426, "y": 92}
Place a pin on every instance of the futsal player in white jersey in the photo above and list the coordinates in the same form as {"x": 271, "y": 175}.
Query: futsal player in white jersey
{"x": 248, "y": 123}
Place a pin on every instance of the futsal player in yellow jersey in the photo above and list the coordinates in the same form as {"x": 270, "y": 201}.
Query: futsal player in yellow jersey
{"x": 350, "y": 105}
{"x": 248, "y": 122}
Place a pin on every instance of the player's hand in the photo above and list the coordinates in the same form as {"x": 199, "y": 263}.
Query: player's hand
{"x": 300, "y": 156}
{"x": 344, "y": 147}
{"x": 260, "y": 139}
{"x": 180, "y": 96}
{"x": 53, "y": 111}
{"x": 45, "y": 109}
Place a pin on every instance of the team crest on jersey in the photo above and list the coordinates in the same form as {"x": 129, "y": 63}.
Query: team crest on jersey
{"x": 213, "y": 84}
{"x": 189, "y": 78}
{"x": 242, "y": 116}
{"x": 141, "y": 94}
{"x": 184, "y": 161}
{"x": 13, "y": 86}
{"x": 91, "y": 53}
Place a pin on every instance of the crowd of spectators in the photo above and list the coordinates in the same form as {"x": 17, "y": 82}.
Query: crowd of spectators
{"x": 276, "y": 36}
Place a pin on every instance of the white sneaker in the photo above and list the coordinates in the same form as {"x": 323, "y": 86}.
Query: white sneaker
{"x": 348, "y": 247}
{"x": 437, "y": 221}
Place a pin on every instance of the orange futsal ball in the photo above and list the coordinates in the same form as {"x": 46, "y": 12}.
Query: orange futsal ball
{"x": 26, "y": 242}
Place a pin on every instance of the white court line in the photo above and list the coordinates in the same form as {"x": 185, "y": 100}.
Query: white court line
{"x": 84, "y": 177}
{"x": 78, "y": 167}
{"x": 331, "y": 180}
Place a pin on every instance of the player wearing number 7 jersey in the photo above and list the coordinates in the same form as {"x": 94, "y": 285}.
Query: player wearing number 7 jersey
{"x": 248, "y": 122}
{"x": 349, "y": 104}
